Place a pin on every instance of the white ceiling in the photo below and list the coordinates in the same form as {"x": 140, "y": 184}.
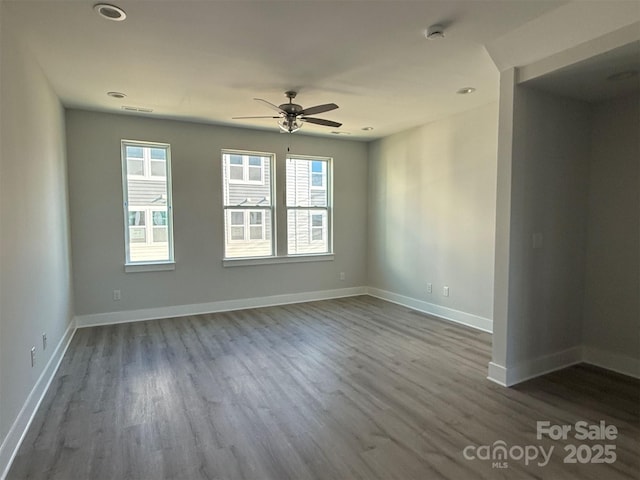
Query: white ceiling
{"x": 590, "y": 80}
{"x": 206, "y": 60}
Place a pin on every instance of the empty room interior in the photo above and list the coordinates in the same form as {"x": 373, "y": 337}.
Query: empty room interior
{"x": 320, "y": 239}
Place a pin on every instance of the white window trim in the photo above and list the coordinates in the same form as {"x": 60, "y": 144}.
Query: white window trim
{"x": 279, "y": 211}
{"x": 148, "y": 223}
{"x": 311, "y": 173}
{"x": 265, "y": 209}
{"x": 245, "y": 168}
{"x": 146, "y": 164}
{"x": 312, "y": 227}
{"x": 147, "y": 265}
{"x": 246, "y": 225}
{"x": 327, "y": 169}
{"x": 306, "y": 258}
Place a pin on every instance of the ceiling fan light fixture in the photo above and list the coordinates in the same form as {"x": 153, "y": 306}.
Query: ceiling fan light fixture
{"x": 110, "y": 12}
{"x": 289, "y": 126}
{"x": 291, "y": 116}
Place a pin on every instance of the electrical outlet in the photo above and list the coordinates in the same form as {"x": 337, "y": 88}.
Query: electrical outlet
{"x": 429, "y": 288}
{"x": 445, "y": 291}
{"x": 116, "y": 295}
{"x": 44, "y": 341}
{"x": 342, "y": 276}
{"x": 33, "y": 356}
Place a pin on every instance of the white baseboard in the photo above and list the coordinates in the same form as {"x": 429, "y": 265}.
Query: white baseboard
{"x": 445, "y": 313}
{"x": 497, "y": 374}
{"x": 111, "y": 318}
{"x": 543, "y": 365}
{"x": 611, "y": 361}
{"x": 18, "y": 430}
{"x": 509, "y": 376}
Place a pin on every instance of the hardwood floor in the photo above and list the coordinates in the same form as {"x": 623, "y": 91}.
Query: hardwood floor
{"x": 353, "y": 388}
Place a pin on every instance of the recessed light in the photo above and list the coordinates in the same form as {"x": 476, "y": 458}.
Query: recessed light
{"x": 367, "y": 129}
{"x": 434, "y": 32}
{"x": 623, "y": 75}
{"x": 110, "y": 12}
{"x": 466, "y": 90}
{"x": 117, "y": 94}
{"x": 335, "y": 132}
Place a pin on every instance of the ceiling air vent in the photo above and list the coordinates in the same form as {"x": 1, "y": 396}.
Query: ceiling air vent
{"x": 137, "y": 109}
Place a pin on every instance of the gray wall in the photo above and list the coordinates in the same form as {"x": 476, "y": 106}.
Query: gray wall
{"x": 432, "y": 211}
{"x": 95, "y": 190}
{"x": 35, "y": 271}
{"x": 611, "y": 306}
{"x": 548, "y": 191}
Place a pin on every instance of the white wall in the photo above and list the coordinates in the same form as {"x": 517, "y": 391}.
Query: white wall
{"x": 543, "y": 179}
{"x": 95, "y": 190}
{"x": 432, "y": 193}
{"x": 612, "y": 305}
{"x": 35, "y": 273}
{"x": 551, "y": 167}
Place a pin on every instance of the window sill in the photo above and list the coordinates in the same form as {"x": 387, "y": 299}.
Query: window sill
{"x": 245, "y": 262}
{"x": 149, "y": 267}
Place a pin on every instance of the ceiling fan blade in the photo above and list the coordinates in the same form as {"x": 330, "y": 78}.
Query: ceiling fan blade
{"x": 261, "y": 116}
{"x": 269, "y": 104}
{"x": 327, "y": 107}
{"x": 321, "y": 121}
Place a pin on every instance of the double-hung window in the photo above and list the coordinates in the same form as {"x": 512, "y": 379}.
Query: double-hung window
{"x": 146, "y": 180}
{"x": 308, "y": 205}
{"x": 252, "y": 209}
{"x": 248, "y": 204}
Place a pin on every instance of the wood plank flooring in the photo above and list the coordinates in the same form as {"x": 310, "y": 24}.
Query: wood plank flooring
{"x": 353, "y": 388}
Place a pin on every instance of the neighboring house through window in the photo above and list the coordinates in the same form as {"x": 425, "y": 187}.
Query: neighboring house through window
{"x": 249, "y": 212}
{"x": 146, "y": 182}
{"x": 308, "y": 202}
{"x": 248, "y": 204}
{"x": 245, "y": 169}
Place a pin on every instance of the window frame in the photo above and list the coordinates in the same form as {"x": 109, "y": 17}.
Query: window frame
{"x": 148, "y": 226}
{"x": 323, "y": 172}
{"x": 271, "y": 209}
{"x": 328, "y": 187}
{"x": 313, "y": 228}
{"x": 147, "y": 265}
{"x": 279, "y": 210}
{"x": 246, "y": 227}
{"x": 246, "y": 167}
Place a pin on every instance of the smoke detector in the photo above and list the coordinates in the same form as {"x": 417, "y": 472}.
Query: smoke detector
{"x": 434, "y": 32}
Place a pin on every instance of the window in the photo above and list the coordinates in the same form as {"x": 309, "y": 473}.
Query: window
{"x": 246, "y": 225}
{"x": 247, "y": 169}
{"x": 147, "y": 202}
{"x": 308, "y": 205}
{"x": 318, "y": 174}
{"x": 248, "y": 204}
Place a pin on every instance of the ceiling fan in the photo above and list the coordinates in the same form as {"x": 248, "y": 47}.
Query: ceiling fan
{"x": 291, "y": 115}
